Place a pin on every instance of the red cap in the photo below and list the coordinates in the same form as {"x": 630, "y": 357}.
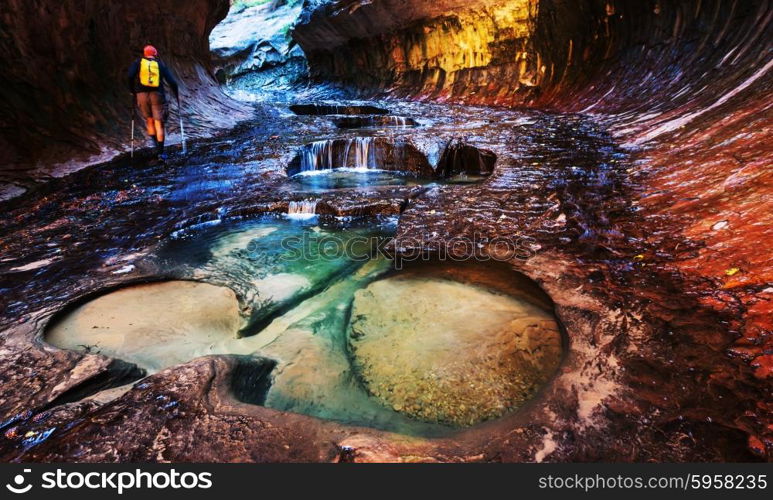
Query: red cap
{"x": 149, "y": 51}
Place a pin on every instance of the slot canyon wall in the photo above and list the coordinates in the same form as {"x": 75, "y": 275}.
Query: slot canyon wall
{"x": 565, "y": 55}
{"x": 63, "y": 94}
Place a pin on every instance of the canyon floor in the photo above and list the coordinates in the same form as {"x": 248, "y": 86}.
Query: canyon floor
{"x": 265, "y": 359}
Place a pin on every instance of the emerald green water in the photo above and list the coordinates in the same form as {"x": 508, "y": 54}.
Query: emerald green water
{"x": 296, "y": 281}
{"x": 305, "y": 273}
{"x": 283, "y": 289}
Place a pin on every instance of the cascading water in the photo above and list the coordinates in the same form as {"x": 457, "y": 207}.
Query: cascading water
{"x": 362, "y": 152}
{"x": 316, "y": 155}
{"x": 355, "y": 153}
{"x": 398, "y": 121}
{"x": 302, "y": 209}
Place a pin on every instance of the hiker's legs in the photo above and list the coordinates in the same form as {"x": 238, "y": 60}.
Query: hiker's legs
{"x": 151, "y": 105}
{"x": 157, "y": 108}
{"x": 151, "y": 126}
{"x": 159, "y": 138}
{"x": 159, "y": 127}
{"x": 143, "y": 102}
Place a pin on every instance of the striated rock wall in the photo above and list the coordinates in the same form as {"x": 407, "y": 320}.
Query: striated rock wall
{"x": 440, "y": 49}
{"x": 62, "y": 89}
{"x": 564, "y": 54}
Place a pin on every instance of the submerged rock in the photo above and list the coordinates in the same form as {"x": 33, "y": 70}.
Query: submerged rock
{"x": 447, "y": 352}
{"x": 156, "y": 325}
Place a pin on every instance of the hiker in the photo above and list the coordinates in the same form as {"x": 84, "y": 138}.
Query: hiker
{"x": 146, "y": 80}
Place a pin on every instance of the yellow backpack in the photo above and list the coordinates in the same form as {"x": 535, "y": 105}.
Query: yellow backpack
{"x": 150, "y": 75}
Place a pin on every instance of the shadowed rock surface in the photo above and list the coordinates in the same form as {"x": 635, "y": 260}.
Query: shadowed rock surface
{"x": 459, "y": 158}
{"x": 63, "y": 93}
{"x": 324, "y": 109}
{"x": 374, "y": 121}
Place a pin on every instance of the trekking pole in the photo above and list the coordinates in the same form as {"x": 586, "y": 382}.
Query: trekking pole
{"x": 132, "y": 110}
{"x": 132, "y": 137}
{"x": 182, "y": 129}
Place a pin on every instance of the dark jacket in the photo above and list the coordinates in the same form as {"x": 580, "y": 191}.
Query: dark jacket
{"x": 134, "y": 79}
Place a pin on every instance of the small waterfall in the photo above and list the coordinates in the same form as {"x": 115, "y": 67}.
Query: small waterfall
{"x": 398, "y": 121}
{"x": 317, "y": 156}
{"x": 302, "y": 209}
{"x": 362, "y": 152}
{"x": 357, "y": 152}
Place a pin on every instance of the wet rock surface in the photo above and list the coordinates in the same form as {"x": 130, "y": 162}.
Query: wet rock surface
{"x": 374, "y": 121}
{"x": 334, "y": 109}
{"x": 165, "y": 411}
